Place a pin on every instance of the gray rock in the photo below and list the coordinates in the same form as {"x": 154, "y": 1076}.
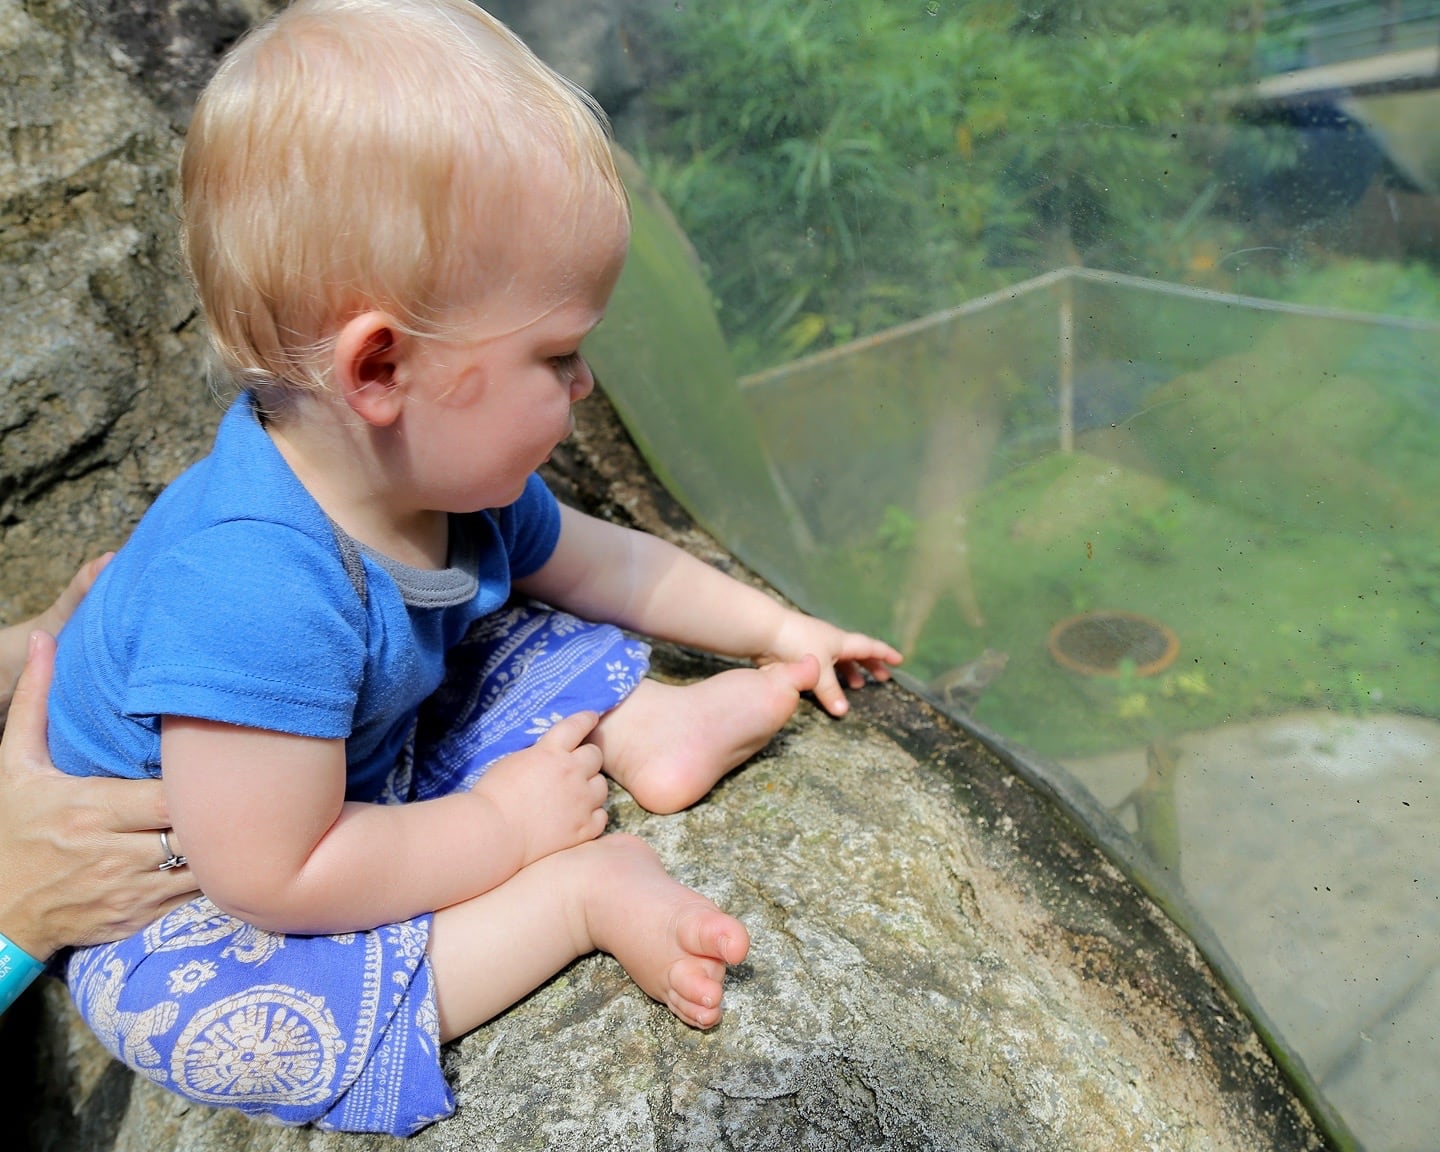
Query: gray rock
{"x": 1326, "y": 927}
{"x": 941, "y": 960}
{"x": 102, "y": 396}
{"x": 101, "y": 391}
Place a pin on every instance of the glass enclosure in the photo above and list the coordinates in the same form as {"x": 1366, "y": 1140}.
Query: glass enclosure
{"x": 1089, "y": 354}
{"x": 1183, "y": 548}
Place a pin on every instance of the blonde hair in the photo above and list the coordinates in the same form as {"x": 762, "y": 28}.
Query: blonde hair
{"x": 356, "y": 154}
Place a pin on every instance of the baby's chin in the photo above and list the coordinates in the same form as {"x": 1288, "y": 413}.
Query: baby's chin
{"x": 562, "y": 440}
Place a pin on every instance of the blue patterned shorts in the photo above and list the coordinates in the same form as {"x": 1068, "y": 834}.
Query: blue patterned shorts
{"x": 342, "y": 1031}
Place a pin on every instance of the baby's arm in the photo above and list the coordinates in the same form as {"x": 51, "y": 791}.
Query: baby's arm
{"x": 601, "y": 571}
{"x": 271, "y": 839}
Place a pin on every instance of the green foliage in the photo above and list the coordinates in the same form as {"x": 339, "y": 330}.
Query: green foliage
{"x": 897, "y": 529}
{"x": 844, "y": 165}
{"x": 1147, "y": 533}
{"x": 1411, "y": 290}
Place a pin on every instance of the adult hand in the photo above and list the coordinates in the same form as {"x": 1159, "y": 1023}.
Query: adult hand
{"x": 15, "y": 639}
{"x": 79, "y": 857}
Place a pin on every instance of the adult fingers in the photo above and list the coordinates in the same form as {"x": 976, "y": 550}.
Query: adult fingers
{"x": 65, "y": 604}
{"x": 144, "y": 899}
{"x": 129, "y": 805}
{"x": 120, "y": 889}
{"x": 161, "y": 886}
{"x": 25, "y": 730}
{"x": 174, "y": 902}
{"x": 139, "y": 854}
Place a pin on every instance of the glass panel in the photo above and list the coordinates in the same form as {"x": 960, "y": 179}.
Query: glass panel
{"x": 1184, "y": 546}
{"x": 1090, "y": 355}
{"x": 675, "y": 390}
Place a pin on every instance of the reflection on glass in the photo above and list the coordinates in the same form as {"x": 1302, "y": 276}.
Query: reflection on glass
{"x": 1185, "y": 545}
{"x": 1092, "y": 359}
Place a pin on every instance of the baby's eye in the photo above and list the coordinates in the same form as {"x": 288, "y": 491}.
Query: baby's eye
{"x": 567, "y": 366}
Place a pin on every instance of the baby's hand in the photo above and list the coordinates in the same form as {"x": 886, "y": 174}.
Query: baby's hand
{"x": 842, "y": 655}
{"x": 551, "y": 795}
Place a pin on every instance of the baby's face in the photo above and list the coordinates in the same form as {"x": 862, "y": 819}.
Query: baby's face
{"x": 485, "y": 411}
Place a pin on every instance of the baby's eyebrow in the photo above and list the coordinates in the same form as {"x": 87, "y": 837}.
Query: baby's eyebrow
{"x": 589, "y": 328}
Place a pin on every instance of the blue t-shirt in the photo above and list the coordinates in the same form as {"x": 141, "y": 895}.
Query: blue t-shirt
{"x": 232, "y": 602}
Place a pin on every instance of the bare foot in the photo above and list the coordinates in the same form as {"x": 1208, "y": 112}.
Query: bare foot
{"x": 674, "y": 943}
{"x": 668, "y": 745}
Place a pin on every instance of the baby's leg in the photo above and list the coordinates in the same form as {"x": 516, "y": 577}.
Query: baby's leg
{"x": 611, "y": 895}
{"x": 668, "y": 745}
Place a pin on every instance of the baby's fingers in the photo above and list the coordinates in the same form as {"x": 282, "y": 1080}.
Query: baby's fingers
{"x": 852, "y": 669}
{"x": 861, "y": 654}
{"x": 879, "y": 669}
{"x": 869, "y": 651}
{"x": 568, "y": 734}
{"x": 829, "y": 693}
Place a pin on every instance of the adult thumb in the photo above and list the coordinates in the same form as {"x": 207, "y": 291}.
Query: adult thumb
{"x": 24, "y": 740}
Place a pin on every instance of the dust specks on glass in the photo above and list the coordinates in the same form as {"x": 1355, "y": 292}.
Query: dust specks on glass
{"x": 1088, "y": 353}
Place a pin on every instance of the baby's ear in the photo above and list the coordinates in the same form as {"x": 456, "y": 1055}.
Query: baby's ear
{"x": 367, "y": 357}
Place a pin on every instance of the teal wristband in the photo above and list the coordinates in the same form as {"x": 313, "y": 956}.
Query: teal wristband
{"x": 18, "y": 970}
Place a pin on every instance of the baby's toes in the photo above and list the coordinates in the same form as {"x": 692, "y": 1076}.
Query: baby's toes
{"x": 698, "y": 981}
{"x": 695, "y": 1015}
{"x": 800, "y": 676}
{"x": 695, "y": 992}
{"x": 708, "y": 932}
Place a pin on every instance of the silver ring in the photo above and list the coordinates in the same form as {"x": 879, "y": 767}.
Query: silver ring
{"x": 171, "y": 860}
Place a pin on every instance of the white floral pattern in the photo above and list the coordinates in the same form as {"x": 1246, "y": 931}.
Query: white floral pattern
{"x": 343, "y": 1031}
{"x": 406, "y": 940}
{"x": 516, "y": 674}
{"x": 539, "y": 725}
{"x": 191, "y": 976}
{"x": 211, "y": 1028}
{"x": 270, "y": 1043}
{"x": 129, "y": 1036}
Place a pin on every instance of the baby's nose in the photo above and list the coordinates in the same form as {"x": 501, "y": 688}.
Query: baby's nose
{"x": 583, "y": 382}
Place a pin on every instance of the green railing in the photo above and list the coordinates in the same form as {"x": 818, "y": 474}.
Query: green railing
{"x": 1309, "y": 33}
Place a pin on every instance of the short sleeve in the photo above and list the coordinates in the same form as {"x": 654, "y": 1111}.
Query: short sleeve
{"x": 249, "y": 623}
{"x": 530, "y": 528}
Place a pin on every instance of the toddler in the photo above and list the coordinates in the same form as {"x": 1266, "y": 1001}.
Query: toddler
{"x": 355, "y": 639}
